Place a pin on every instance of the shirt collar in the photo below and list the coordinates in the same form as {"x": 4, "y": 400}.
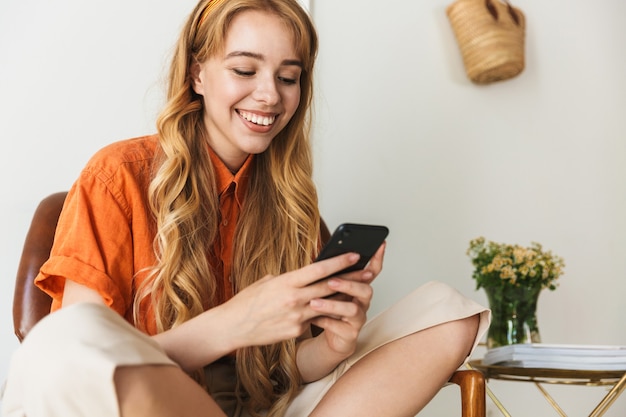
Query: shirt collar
{"x": 224, "y": 178}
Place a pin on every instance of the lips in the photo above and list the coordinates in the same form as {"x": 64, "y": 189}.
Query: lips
{"x": 257, "y": 119}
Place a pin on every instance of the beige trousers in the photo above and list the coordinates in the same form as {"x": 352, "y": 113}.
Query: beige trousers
{"x": 65, "y": 367}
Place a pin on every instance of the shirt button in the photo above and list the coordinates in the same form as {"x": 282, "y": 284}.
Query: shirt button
{"x": 225, "y": 222}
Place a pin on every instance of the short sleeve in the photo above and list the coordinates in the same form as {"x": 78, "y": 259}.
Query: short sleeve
{"x": 104, "y": 237}
{"x": 91, "y": 246}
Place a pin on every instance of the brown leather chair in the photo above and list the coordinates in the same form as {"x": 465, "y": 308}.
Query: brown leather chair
{"x": 31, "y": 304}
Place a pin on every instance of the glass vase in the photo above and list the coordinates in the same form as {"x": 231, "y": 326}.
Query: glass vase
{"x": 514, "y": 315}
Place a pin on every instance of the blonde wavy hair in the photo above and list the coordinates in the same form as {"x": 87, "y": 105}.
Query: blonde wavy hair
{"x": 279, "y": 224}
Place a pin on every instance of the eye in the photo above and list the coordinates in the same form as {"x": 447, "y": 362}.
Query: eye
{"x": 289, "y": 76}
{"x": 287, "y": 80}
{"x": 243, "y": 72}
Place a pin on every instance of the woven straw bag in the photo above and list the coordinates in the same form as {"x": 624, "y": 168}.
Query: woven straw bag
{"x": 491, "y": 35}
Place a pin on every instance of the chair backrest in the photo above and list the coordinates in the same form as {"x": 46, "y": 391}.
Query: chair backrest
{"x": 30, "y": 304}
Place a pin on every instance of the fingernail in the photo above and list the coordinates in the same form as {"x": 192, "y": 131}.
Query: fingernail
{"x": 333, "y": 282}
{"x": 316, "y": 302}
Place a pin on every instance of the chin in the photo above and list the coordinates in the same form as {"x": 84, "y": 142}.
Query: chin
{"x": 257, "y": 146}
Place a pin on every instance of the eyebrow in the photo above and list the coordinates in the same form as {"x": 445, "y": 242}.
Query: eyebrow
{"x": 260, "y": 57}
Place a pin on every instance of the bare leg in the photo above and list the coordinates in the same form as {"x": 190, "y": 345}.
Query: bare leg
{"x": 157, "y": 390}
{"x": 400, "y": 378}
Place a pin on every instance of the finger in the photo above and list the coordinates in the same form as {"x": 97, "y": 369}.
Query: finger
{"x": 337, "y": 325}
{"x": 364, "y": 275}
{"x": 344, "y": 328}
{"x": 322, "y": 269}
{"x": 340, "y": 289}
{"x": 337, "y": 296}
{"x": 319, "y": 289}
{"x": 375, "y": 265}
{"x": 371, "y": 270}
{"x": 345, "y": 310}
{"x": 359, "y": 291}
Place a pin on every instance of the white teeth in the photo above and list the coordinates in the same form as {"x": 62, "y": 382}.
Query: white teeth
{"x": 256, "y": 119}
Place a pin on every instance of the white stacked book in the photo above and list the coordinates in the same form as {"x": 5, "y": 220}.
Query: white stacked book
{"x": 578, "y": 357}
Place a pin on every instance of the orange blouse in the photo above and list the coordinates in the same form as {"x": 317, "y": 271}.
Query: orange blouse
{"x": 104, "y": 237}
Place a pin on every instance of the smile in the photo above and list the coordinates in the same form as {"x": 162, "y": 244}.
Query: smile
{"x": 257, "y": 119}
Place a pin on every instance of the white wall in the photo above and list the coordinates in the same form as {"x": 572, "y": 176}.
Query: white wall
{"x": 406, "y": 140}
{"x": 403, "y": 138}
{"x": 74, "y": 76}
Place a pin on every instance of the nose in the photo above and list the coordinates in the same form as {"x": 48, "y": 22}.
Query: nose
{"x": 266, "y": 91}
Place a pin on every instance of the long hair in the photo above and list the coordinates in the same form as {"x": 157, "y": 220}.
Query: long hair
{"x": 279, "y": 224}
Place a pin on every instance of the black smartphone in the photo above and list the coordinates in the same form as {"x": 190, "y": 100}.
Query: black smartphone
{"x": 364, "y": 239}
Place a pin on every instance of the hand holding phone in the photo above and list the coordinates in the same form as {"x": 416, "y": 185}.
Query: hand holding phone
{"x": 364, "y": 239}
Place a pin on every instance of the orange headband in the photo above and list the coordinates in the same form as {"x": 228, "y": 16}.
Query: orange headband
{"x": 207, "y": 10}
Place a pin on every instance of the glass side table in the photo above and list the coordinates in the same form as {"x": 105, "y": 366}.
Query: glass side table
{"x": 616, "y": 380}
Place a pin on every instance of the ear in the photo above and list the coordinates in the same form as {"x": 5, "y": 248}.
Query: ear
{"x": 196, "y": 80}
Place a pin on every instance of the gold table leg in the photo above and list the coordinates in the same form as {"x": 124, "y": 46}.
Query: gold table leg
{"x": 497, "y": 402}
{"x": 614, "y": 393}
{"x": 610, "y": 398}
{"x": 548, "y": 376}
{"x": 600, "y": 409}
{"x": 551, "y": 400}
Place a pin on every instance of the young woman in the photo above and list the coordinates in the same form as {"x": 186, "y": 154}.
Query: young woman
{"x": 182, "y": 267}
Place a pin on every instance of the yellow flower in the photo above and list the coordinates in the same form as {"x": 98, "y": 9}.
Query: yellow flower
{"x": 507, "y": 272}
{"x": 499, "y": 264}
{"x": 519, "y": 254}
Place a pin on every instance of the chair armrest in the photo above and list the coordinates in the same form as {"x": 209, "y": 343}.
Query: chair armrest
{"x": 472, "y": 384}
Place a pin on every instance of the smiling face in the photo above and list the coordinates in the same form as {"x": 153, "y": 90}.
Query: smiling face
{"x": 251, "y": 88}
